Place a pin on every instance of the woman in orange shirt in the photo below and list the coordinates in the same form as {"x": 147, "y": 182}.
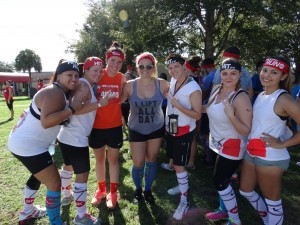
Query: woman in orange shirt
{"x": 107, "y": 129}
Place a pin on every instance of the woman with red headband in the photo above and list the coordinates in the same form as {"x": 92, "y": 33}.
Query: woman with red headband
{"x": 73, "y": 141}
{"x": 145, "y": 123}
{"x": 267, "y": 157}
{"x": 107, "y": 129}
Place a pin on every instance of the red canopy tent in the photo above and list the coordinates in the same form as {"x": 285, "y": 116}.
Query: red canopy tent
{"x": 15, "y": 77}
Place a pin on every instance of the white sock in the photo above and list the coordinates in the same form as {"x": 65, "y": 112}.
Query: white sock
{"x": 183, "y": 184}
{"x": 66, "y": 181}
{"x": 230, "y": 203}
{"x": 275, "y": 211}
{"x": 80, "y": 195}
{"x": 29, "y": 197}
{"x": 258, "y": 204}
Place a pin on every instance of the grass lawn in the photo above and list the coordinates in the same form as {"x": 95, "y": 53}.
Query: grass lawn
{"x": 202, "y": 196}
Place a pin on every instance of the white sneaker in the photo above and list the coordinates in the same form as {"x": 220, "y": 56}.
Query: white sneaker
{"x": 181, "y": 211}
{"x": 65, "y": 201}
{"x": 35, "y": 213}
{"x": 174, "y": 191}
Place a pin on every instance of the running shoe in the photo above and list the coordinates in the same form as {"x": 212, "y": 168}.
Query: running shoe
{"x": 35, "y": 213}
{"x": 167, "y": 166}
{"x": 98, "y": 197}
{"x": 67, "y": 200}
{"x": 111, "y": 200}
{"x": 181, "y": 211}
{"x": 137, "y": 196}
{"x": 149, "y": 197}
{"x": 174, "y": 191}
{"x": 218, "y": 214}
{"x": 87, "y": 219}
{"x": 231, "y": 222}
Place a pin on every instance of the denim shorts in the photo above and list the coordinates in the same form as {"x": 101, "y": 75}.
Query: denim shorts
{"x": 283, "y": 164}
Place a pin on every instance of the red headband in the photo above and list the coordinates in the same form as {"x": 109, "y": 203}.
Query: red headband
{"x": 117, "y": 53}
{"x": 231, "y": 55}
{"x": 208, "y": 66}
{"x": 277, "y": 64}
{"x": 94, "y": 62}
{"x": 147, "y": 56}
{"x": 191, "y": 67}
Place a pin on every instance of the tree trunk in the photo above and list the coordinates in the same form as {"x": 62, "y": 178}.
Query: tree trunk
{"x": 209, "y": 40}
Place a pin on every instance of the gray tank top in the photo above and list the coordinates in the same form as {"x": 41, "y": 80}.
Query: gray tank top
{"x": 146, "y": 115}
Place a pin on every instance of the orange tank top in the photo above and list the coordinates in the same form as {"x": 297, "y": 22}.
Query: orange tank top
{"x": 109, "y": 116}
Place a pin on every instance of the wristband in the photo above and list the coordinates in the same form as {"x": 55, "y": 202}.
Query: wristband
{"x": 99, "y": 104}
{"x": 71, "y": 109}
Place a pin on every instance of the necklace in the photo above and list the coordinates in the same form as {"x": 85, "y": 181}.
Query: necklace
{"x": 175, "y": 91}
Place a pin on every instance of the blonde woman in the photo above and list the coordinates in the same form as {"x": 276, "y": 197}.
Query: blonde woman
{"x": 145, "y": 123}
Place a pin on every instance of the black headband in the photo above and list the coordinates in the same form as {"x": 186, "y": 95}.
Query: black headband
{"x": 174, "y": 60}
{"x": 67, "y": 66}
{"x": 231, "y": 65}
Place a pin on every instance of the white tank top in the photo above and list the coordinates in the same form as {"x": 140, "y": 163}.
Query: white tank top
{"x": 28, "y": 137}
{"x": 223, "y": 138}
{"x": 266, "y": 121}
{"x": 76, "y": 132}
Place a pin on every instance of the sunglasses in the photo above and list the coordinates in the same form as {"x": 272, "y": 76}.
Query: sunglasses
{"x": 148, "y": 67}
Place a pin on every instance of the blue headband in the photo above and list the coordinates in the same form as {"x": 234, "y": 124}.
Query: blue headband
{"x": 67, "y": 66}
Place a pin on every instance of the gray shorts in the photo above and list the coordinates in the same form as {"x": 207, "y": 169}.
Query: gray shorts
{"x": 283, "y": 164}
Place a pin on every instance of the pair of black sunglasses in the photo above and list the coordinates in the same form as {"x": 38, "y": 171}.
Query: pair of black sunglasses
{"x": 148, "y": 67}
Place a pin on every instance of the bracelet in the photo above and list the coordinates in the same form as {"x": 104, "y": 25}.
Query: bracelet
{"x": 99, "y": 104}
{"x": 72, "y": 110}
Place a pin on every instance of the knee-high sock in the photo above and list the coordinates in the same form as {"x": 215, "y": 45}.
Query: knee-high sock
{"x": 222, "y": 206}
{"x": 257, "y": 203}
{"x": 275, "y": 211}
{"x": 183, "y": 184}
{"x": 30, "y": 192}
{"x": 53, "y": 207}
{"x": 150, "y": 174}
{"x": 29, "y": 197}
{"x": 230, "y": 202}
{"x": 66, "y": 180}
{"x": 137, "y": 176}
{"x": 80, "y": 195}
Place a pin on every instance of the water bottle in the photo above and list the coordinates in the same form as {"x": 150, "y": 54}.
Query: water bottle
{"x": 51, "y": 148}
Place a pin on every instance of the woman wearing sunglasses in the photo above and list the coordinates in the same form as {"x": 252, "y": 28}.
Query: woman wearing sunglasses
{"x": 145, "y": 123}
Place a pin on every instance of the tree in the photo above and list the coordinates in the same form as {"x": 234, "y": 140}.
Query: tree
{"x": 6, "y": 67}
{"x": 26, "y": 60}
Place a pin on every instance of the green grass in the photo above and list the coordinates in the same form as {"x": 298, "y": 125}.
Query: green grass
{"x": 202, "y": 195}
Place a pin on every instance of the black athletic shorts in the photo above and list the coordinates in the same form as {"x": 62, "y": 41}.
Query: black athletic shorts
{"x": 178, "y": 148}
{"x": 77, "y": 157}
{"x": 36, "y": 163}
{"x": 138, "y": 137}
{"x": 112, "y": 137}
{"x": 10, "y": 105}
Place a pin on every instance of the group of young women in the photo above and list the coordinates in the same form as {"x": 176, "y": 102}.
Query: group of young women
{"x": 86, "y": 112}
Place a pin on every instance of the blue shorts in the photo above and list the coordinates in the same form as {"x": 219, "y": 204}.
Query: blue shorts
{"x": 283, "y": 164}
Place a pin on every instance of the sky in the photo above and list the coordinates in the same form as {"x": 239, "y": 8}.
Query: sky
{"x": 46, "y": 27}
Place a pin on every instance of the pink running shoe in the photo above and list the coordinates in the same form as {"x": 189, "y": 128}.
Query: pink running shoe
{"x": 98, "y": 197}
{"x": 216, "y": 215}
{"x": 111, "y": 200}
